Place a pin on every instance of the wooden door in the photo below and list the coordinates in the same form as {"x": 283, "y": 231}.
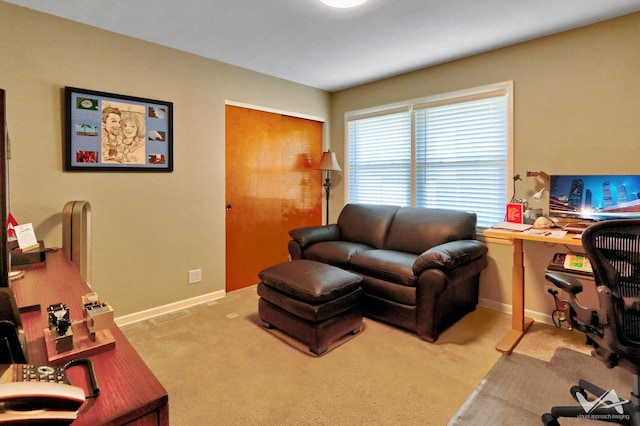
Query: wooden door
{"x": 272, "y": 186}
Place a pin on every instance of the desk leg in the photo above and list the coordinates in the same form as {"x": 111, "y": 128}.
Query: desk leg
{"x": 519, "y": 323}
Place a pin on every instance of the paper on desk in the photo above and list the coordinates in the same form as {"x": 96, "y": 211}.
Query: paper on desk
{"x": 511, "y": 226}
{"x": 26, "y": 237}
{"x": 546, "y": 233}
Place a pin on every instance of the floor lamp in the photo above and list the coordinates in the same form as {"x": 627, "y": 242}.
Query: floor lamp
{"x": 328, "y": 163}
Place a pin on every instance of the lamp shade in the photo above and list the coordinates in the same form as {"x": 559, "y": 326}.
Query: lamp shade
{"x": 538, "y": 195}
{"x": 329, "y": 162}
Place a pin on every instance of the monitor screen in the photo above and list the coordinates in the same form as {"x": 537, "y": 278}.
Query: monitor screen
{"x": 594, "y": 197}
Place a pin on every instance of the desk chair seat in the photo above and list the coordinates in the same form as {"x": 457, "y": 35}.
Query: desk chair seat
{"x": 613, "y": 329}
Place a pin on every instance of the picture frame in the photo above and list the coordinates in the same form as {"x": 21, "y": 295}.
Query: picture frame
{"x": 515, "y": 212}
{"x": 117, "y": 133}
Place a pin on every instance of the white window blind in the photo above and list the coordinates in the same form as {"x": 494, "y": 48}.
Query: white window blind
{"x": 380, "y": 160}
{"x": 452, "y": 152}
{"x": 461, "y": 157}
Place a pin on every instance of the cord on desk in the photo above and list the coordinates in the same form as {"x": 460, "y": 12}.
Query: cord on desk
{"x": 91, "y": 373}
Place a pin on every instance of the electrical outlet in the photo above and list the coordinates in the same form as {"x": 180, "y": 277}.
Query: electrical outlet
{"x": 551, "y": 289}
{"x": 195, "y": 276}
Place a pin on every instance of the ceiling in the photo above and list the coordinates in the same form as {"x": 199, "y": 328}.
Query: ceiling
{"x": 332, "y": 49}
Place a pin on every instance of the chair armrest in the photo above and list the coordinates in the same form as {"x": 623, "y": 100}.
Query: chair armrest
{"x": 449, "y": 255}
{"x": 565, "y": 282}
{"x": 315, "y": 234}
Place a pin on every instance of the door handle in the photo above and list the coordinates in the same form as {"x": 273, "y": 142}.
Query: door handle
{"x": 228, "y": 207}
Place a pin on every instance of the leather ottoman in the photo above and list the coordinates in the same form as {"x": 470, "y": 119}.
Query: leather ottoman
{"x": 311, "y": 301}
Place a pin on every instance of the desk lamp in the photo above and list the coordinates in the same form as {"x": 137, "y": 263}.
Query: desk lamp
{"x": 538, "y": 195}
{"x": 541, "y": 177}
{"x": 328, "y": 163}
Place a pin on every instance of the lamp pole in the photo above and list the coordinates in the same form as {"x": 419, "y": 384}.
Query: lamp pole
{"x": 328, "y": 163}
{"x": 327, "y": 190}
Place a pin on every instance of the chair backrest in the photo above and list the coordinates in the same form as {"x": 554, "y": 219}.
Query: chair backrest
{"x": 613, "y": 248}
{"x": 11, "y": 331}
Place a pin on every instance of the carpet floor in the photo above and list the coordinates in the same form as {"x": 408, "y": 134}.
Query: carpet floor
{"x": 519, "y": 388}
{"x": 220, "y": 367}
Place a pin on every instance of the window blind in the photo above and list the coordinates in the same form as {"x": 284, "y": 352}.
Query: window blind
{"x": 379, "y": 160}
{"x": 461, "y": 157}
{"x": 450, "y": 151}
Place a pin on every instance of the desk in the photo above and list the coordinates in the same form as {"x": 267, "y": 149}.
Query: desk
{"x": 520, "y": 323}
{"x": 129, "y": 392}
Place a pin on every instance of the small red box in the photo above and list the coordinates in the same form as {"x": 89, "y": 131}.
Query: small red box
{"x": 514, "y": 212}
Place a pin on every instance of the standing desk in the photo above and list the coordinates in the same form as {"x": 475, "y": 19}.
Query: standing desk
{"x": 520, "y": 323}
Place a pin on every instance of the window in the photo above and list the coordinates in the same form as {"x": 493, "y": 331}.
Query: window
{"x": 452, "y": 151}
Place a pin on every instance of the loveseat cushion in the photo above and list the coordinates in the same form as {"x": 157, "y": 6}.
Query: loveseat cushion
{"x": 389, "y": 265}
{"x": 385, "y": 290}
{"x": 449, "y": 256}
{"x": 310, "y": 281}
{"x": 366, "y": 223}
{"x": 336, "y": 253}
{"x": 416, "y": 230}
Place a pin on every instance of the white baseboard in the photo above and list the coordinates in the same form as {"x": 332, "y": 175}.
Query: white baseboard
{"x": 171, "y": 307}
{"x": 502, "y": 307}
{"x": 176, "y": 306}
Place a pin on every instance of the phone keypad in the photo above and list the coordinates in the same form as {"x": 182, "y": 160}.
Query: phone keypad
{"x": 43, "y": 373}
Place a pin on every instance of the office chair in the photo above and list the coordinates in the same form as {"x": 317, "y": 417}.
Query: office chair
{"x": 613, "y": 329}
{"x": 11, "y": 331}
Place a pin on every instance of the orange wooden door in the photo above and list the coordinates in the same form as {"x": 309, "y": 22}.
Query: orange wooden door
{"x": 272, "y": 186}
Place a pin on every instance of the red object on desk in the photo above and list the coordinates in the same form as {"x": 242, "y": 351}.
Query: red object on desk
{"x": 129, "y": 392}
{"x": 514, "y": 212}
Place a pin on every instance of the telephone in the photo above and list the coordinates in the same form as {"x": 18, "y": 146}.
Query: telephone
{"x": 571, "y": 262}
{"x": 39, "y": 394}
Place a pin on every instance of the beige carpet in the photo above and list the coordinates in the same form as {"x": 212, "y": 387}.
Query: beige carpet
{"x": 519, "y": 388}
{"x": 220, "y": 367}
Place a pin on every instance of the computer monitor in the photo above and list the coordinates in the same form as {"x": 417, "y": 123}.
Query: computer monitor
{"x": 594, "y": 197}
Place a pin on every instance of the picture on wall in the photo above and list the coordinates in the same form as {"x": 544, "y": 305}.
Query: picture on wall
{"x": 109, "y": 132}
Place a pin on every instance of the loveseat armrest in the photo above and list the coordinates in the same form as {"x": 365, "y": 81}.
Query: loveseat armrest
{"x": 315, "y": 234}
{"x": 449, "y": 255}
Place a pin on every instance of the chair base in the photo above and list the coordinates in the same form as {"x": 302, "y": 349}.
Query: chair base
{"x": 618, "y": 412}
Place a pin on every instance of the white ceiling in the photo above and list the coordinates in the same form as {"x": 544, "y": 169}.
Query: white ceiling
{"x": 332, "y": 49}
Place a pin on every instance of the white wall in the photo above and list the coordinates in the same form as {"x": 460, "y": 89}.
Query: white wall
{"x": 577, "y": 103}
{"x": 576, "y": 110}
{"x": 149, "y": 229}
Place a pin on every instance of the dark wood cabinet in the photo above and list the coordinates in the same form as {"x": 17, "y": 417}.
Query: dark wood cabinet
{"x": 129, "y": 392}
{"x": 4, "y": 192}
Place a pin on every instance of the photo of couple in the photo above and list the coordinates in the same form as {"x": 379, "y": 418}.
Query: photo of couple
{"x": 123, "y": 133}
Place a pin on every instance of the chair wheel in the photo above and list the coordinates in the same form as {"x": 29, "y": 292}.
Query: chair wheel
{"x": 575, "y": 390}
{"x": 549, "y": 420}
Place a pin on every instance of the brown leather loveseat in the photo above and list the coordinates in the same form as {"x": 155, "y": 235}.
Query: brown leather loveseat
{"x": 420, "y": 267}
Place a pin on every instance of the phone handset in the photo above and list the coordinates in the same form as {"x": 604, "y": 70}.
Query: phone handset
{"x": 29, "y": 396}
{"x": 30, "y": 393}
